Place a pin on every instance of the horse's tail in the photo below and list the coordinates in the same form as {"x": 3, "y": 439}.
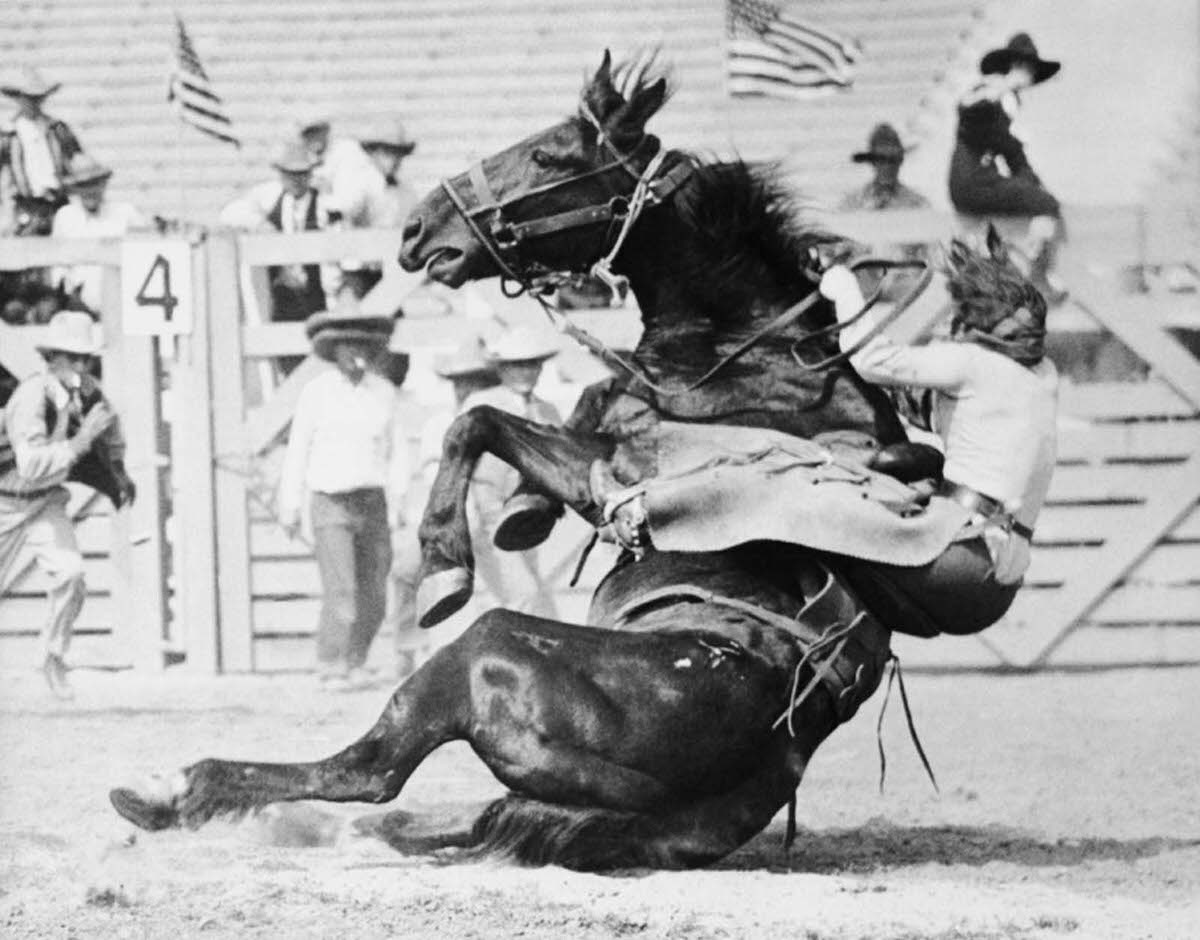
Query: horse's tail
{"x": 585, "y": 839}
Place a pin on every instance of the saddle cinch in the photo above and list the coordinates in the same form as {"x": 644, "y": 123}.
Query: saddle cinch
{"x": 721, "y": 486}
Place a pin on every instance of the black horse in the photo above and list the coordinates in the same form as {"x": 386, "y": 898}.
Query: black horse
{"x": 678, "y": 722}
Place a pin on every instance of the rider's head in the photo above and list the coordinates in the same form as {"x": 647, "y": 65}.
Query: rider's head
{"x": 995, "y": 305}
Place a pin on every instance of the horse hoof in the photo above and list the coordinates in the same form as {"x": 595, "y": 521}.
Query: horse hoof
{"x": 147, "y": 814}
{"x": 527, "y": 522}
{"x": 441, "y": 594}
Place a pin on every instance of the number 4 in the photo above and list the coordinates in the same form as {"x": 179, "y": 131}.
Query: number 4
{"x": 164, "y": 298}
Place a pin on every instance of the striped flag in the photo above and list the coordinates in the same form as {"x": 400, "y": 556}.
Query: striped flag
{"x": 771, "y": 51}
{"x": 191, "y": 93}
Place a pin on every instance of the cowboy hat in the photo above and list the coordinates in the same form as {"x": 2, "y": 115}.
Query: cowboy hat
{"x": 85, "y": 170}
{"x": 1020, "y": 49}
{"x": 70, "y": 331}
{"x": 467, "y": 359}
{"x": 883, "y": 146}
{"x": 389, "y": 135}
{"x": 27, "y": 82}
{"x": 309, "y": 119}
{"x": 293, "y": 158}
{"x": 346, "y": 323}
{"x": 522, "y": 344}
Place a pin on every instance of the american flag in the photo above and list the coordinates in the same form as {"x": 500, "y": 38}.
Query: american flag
{"x": 771, "y": 51}
{"x": 191, "y": 93}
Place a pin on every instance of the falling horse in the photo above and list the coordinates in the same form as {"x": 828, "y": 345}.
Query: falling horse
{"x": 673, "y": 726}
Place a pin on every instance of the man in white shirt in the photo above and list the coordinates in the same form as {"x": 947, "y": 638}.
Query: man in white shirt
{"x": 347, "y": 449}
{"x": 91, "y": 214}
{"x": 376, "y": 197}
{"x": 513, "y": 578}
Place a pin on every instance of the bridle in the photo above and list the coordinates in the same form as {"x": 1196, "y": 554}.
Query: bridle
{"x": 503, "y": 240}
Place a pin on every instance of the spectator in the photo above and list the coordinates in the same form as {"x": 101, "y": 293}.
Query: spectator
{"x": 885, "y": 154}
{"x": 57, "y": 426}
{"x": 340, "y": 165}
{"x": 34, "y": 152}
{"x": 468, "y": 372}
{"x": 347, "y": 448}
{"x": 513, "y": 578}
{"x": 989, "y": 171}
{"x": 91, "y": 214}
{"x": 290, "y": 203}
{"x": 384, "y": 199}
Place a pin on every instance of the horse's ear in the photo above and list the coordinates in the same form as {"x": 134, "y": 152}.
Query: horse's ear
{"x": 995, "y": 244}
{"x": 958, "y": 253}
{"x": 602, "y": 80}
{"x": 645, "y": 105}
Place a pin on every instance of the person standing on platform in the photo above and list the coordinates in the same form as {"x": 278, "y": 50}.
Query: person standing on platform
{"x": 347, "y": 449}
{"x": 35, "y": 150}
{"x": 57, "y": 426}
{"x": 513, "y": 579}
{"x": 990, "y": 174}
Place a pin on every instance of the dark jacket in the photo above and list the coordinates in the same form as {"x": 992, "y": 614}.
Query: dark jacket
{"x": 977, "y": 185}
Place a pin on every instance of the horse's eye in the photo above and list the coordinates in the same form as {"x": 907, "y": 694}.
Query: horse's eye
{"x": 543, "y": 158}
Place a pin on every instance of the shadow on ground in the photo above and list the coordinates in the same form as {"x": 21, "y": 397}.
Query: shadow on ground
{"x": 880, "y": 846}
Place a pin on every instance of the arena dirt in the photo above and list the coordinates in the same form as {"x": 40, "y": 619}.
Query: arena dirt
{"x": 1069, "y": 807}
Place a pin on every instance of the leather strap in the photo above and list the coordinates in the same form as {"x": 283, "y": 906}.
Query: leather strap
{"x": 974, "y": 501}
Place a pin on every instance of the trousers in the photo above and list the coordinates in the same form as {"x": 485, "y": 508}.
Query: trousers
{"x": 354, "y": 552}
{"x": 39, "y": 529}
{"x": 956, "y": 593}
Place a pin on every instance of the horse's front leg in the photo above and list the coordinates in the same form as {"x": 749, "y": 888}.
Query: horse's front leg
{"x": 554, "y": 461}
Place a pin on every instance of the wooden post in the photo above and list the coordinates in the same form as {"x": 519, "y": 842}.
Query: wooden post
{"x": 193, "y": 486}
{"x": 229, "y": 414}
{"x": 131, "y": 377}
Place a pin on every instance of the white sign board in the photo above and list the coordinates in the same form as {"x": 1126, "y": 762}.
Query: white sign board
{"x": 156, "y": 287}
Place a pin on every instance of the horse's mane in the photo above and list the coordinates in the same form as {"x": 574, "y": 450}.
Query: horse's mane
{"x": 749, "y": 235}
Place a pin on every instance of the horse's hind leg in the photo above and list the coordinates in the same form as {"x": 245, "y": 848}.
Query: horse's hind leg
{"x": 554, "y": 461}
{"x": 425, "y": 712}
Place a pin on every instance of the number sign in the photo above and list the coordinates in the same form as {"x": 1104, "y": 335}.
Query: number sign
{"x": 156, "y": 287}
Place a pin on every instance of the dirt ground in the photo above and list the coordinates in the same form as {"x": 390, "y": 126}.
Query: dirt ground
{"x": 1069, "y": 807}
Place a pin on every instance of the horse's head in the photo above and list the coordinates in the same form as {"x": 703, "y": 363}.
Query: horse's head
{"x": 554, "y": 202}
{"x": 995, "y": 304}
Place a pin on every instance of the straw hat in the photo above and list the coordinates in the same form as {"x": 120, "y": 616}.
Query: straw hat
{"x": 390, "y": 135}
{"x": 883, "y": 146}
{"x": 523, "y": 344}
{"x": 346, "y": 323}
{"x": 27, "y": 81}
{"x": 467, "y": 359}
{"x": 71, "y": 331}
{"x": 293, "y": 158}
{"x": 85, "y": 170}
{"x": 309, "y": 119}
{"x": 1019, "y": 49}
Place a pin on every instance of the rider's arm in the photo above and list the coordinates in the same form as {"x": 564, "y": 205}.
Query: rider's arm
{"x": 939, "y": 365}
{"x": 41, "y": 461}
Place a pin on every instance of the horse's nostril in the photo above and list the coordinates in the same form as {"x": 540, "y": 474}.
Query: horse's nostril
{"x": 412, "y": 228}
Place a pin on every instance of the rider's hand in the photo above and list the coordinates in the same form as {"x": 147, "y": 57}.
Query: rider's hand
{"x": 839, "y": 283}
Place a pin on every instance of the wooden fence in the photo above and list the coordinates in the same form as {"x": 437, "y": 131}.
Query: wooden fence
{"x": 1116, "y": 569}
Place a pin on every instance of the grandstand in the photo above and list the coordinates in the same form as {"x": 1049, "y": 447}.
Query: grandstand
{"x": 469, "y": 77}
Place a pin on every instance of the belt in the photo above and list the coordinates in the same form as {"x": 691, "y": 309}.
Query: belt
{"x": 975, "y": 501}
